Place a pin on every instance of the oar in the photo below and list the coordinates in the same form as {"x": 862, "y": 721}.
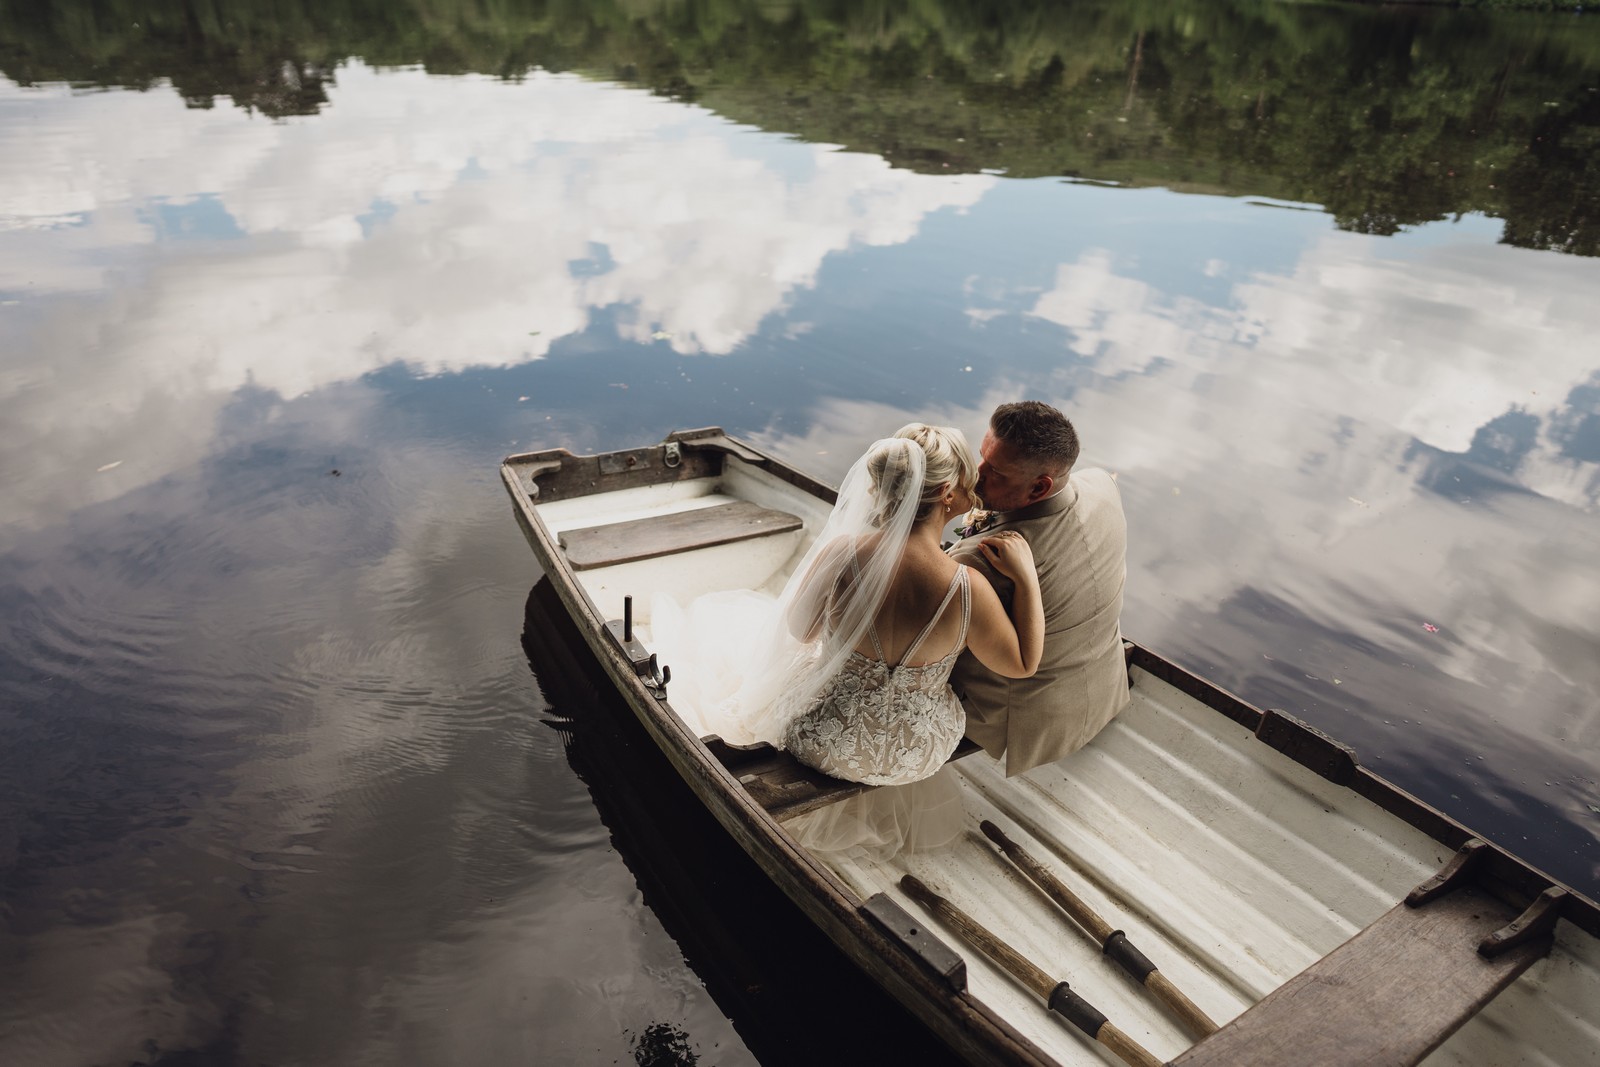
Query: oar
{"x": 1114, "y": 943}
{"x": 1058, "y": 995}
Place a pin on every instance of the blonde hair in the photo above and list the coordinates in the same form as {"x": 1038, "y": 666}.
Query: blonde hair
{"x": 948, "y": 463}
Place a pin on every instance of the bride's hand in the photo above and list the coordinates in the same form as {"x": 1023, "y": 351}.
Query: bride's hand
{"x": 1009, "y": 553}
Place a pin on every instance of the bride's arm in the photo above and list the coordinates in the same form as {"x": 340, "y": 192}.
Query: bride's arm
{"x": 1011, "y": 648}
{"x": 808, "y": 610}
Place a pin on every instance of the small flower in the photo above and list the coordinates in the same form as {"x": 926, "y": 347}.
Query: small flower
{"x": 975, "y": 522}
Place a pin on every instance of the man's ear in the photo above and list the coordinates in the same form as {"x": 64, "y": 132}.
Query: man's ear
{"x": 1041, "y": 487}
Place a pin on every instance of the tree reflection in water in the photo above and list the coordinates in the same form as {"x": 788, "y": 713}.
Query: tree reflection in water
{"x": 1387, "y": 117}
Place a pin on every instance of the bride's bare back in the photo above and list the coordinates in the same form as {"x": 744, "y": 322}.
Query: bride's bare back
{"x": 921, "y": 584}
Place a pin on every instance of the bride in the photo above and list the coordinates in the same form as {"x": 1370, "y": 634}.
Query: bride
{"x": 886, "y": 613}
{"x": 850, "y": 673}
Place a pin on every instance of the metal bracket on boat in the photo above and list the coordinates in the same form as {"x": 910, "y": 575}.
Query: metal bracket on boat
{"x": 1453, "y": 874}
{"x": 671, "y": 454}
{"x": 656, "y": 678}
{"x": 644, "y": 663}
{"x": 916, "y": 938}
{"x": 1537, "y": 921}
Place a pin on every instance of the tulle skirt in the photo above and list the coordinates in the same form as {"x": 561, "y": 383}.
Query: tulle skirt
{"x": 884, "y": 822}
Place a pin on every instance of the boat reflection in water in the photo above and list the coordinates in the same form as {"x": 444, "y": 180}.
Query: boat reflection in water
{"x": 764, "y": 964}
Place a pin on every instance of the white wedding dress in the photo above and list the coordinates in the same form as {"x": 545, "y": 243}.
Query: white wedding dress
{"x": 751, "y": 668}
{"x": 885, "y": 725}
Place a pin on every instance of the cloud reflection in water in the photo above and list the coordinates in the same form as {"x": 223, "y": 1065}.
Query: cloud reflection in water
{"x": 489, "y": 208}
{"x": 1324, "y": 440}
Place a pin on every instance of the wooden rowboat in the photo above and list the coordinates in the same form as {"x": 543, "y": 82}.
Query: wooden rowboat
{"x": 1206, "y": 883}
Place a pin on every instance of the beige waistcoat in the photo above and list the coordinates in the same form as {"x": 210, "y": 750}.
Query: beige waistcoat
{"x": 1079, "y": 539}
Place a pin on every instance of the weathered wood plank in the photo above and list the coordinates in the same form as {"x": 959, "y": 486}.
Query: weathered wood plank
{"x": 681, "y": 531}
{"x": 1385, "y": 998}
{"x": 785, "y": 786}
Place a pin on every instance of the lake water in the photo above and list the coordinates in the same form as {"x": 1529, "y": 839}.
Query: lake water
{"x": 290, "y": 771}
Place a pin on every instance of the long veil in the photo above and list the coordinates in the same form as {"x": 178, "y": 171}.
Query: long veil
{"x": 832, "y": 596}
{"x": 750, "y": 665}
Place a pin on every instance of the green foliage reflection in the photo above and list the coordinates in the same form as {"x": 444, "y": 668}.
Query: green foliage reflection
{"x": 1388, "y": 117}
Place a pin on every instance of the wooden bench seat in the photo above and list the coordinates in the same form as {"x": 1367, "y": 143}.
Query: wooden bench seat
{"x": 1385, "y": 998}
{"x": 785, "y": 786}
{"x": 665, "y": 535}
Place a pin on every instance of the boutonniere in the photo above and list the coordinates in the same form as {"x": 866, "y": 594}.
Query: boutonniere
{"x": 975, "y": 522}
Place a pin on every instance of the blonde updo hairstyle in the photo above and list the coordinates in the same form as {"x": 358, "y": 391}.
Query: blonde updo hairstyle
{"x": 948, "y": 464}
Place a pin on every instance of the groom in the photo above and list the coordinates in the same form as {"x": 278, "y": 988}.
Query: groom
{"x": 1074, "y": 523}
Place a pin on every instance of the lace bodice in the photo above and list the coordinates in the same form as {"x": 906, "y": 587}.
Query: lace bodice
{"x": 885, "y": 724}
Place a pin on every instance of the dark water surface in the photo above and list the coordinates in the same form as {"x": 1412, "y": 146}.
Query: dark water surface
{"x": 288, "y": 771}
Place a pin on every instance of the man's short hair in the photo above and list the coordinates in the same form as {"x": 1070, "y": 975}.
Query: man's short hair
{"x": 1038, "y": 432}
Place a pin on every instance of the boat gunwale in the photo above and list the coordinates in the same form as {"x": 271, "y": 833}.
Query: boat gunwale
{"x": 975, "y": 1029}
{"x": 1506, "y": 876}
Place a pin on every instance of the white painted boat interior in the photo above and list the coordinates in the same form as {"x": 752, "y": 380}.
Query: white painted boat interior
{"x": 761, "y": 563}
{"x": 1230, "y": 866}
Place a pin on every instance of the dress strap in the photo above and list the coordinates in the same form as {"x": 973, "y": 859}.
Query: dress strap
{"x": 966, "y": 603}
{"x": 872, "y": 626}
{"x": 956, "y": 582}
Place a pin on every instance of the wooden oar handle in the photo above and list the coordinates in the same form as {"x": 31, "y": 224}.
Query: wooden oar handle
{"x": 1070, "y": 902}
{"x": 1114, "y": 943}
{"x": 1001, "y": 953}
{"x": 1198, "y": 1022}
{"x": 1125, "y": 1047}
{"x": 1058, "y": 995}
